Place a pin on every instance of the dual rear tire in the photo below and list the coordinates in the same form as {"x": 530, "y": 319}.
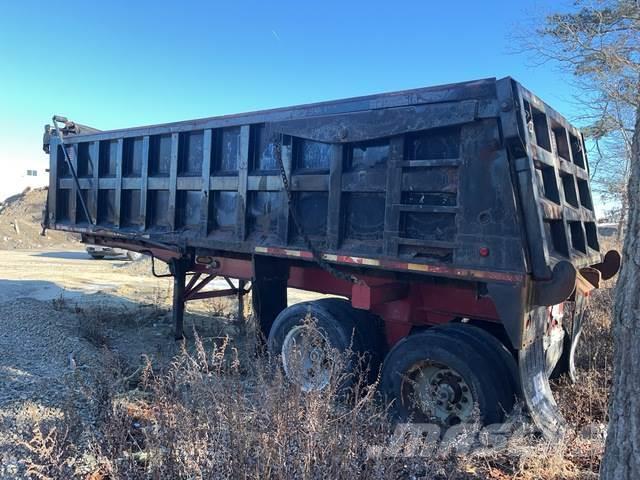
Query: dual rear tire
{"x": 451, "y": 374}
{"x": 315, "y": 338}
{"x": 448, "y": 375}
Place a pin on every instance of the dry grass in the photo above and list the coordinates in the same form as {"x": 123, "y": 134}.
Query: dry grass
{"x": 585, "y": 402}
{"x": 209, "y": 416}
{"x": 216, "y": 413}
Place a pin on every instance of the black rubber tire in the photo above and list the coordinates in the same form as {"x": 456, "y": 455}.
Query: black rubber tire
{"x": 456, "y": 352}
{"x": 96, "y": 256}
{"x": 369, "y": 332}
{"x": 337, "y": 328}
{"x": 500, "y": 356}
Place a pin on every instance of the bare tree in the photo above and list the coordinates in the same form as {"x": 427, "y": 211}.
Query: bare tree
{"x": 598, "y": 43}
{"x": 622, "y": 451}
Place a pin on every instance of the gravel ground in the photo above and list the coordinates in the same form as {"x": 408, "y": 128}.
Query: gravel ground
{"x": 63, "y": 319}
{"x": 44, "y": 366}
{"x": 54, "y": 357}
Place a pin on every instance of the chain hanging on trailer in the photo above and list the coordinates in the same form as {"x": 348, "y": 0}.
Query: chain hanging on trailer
{"x": 317, "y": 256}
{"x": 60, "y": 132}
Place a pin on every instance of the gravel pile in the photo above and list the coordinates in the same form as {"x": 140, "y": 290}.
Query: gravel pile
{"x": 20, "y": 218}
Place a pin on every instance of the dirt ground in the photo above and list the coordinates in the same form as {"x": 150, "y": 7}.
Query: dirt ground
{"x": 70, "y": 274}
{"x": 61, "y": 313}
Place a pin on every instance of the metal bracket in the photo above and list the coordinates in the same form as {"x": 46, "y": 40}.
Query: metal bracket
{"x": 153, "y": 266}
{"x": 193, "y": 289}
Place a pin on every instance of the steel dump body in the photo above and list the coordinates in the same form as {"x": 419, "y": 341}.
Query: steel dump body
{"x": 459, "y": 203}
{"x": 477, "y": 180}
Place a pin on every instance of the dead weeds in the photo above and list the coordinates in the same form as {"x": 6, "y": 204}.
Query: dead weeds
{"x": 216, "y": 411}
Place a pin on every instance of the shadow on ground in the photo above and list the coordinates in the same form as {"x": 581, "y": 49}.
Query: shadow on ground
{"x": 67, "y": 255}
{"x": 77, "y": 255}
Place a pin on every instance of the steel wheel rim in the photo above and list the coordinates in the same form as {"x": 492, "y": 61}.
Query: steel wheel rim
{"x": 438, "y": 393}
{"x": 306, "y": 358}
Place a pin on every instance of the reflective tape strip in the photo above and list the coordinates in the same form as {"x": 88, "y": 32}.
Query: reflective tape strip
{"x": 416, "y": 267}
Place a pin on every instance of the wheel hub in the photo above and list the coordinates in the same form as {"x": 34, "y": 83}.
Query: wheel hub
{"x": 441, "y": 394}
{"x": 305, "y": 358}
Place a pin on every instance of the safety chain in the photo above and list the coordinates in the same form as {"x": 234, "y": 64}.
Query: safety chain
{"x": 317, "y": 256}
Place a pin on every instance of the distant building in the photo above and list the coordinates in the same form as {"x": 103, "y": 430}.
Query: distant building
{"x": 34, "y": 178}
{"x": 15, "y": 183}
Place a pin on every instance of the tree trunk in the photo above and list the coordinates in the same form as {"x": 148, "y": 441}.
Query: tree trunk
{"x": 622, "y": 451}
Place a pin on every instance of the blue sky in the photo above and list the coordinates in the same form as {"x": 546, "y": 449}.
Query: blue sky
{"x": 116, "y": 64}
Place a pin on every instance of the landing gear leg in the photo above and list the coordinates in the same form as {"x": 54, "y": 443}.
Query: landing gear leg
{"x": 178, "y": 269}
{"x": 241, "y": 284}
{"x": 269, "y": 290}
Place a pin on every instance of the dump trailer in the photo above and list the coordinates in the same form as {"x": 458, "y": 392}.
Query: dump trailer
{"x": 452, "y": 228}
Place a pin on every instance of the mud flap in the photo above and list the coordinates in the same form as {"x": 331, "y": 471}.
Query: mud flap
{"x": 572, "y": 358}
{"x": 537, "y": 391}
{"x": 576, "y": 331}
{"x": 573, "y": 331}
